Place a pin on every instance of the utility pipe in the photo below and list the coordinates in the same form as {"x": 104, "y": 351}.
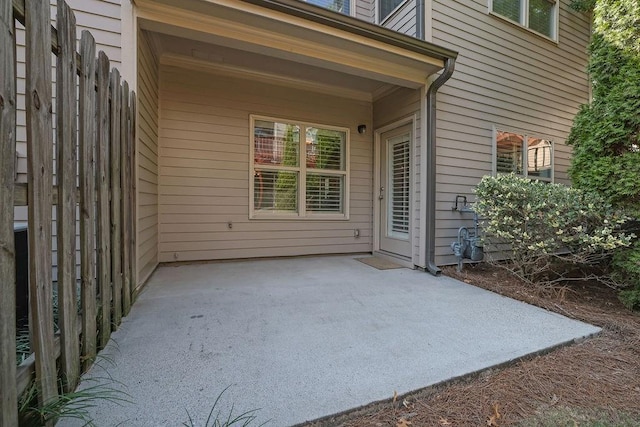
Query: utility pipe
{"x": 430, "y": 199}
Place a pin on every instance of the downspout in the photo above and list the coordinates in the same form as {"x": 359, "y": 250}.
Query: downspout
{"x": 430, "y": 199}
{"x": 420, "y": 19}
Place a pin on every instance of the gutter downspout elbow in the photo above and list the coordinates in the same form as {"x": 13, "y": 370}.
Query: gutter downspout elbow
{"x": 430, "y": 199}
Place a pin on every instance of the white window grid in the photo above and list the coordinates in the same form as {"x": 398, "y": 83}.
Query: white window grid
{"x": 524, "y": 152}
{"x": 302, "y": 171}
{"x": 524, "y": 19}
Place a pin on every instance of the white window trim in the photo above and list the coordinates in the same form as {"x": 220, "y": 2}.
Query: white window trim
{"x": 524, "y": 20}
{"x": 380, "y": 20}
{"x": 525, "y": 159}
{"x": 302, "y": 213}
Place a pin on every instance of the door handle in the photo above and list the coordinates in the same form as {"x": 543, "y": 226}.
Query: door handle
{"x": 381, "y": 196}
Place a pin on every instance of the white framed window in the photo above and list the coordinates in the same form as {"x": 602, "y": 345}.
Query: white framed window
{"x": 540, "y": 16}
{"x": 527, "y": 155}
{"x": 298, "y": 170}
{"x": 386, "y": 8}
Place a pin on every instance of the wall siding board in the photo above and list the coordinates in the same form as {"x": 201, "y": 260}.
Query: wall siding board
{"x": 204, "y": 137}
{"x": 147, "y": 167}
{"x": 508, "y": 77}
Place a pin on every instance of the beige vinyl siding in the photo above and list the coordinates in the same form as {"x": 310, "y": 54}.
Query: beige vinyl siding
{"x": 204, "y": 169}
{"x": 147, "y": 158}
{"x": 403, "y": 19}
{"x": 102, "y": 18}
{"x": 505, "y": 76}
{"x": 365, "y": 10}
{"x": 401, "y": 104}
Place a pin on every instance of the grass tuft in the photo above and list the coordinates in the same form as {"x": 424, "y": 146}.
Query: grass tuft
{"x": 216, "y": 418}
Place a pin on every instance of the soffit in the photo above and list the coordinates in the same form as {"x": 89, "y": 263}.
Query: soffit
{"x": 247, "y": 27}
{"x": 196, "y": 55}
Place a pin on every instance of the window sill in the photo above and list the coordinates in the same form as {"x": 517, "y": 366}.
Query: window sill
{"x": 527, "y": 29}
{"x": 294, "y": 217}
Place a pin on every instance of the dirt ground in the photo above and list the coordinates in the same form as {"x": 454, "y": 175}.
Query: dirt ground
{"x": 592, "y": 383}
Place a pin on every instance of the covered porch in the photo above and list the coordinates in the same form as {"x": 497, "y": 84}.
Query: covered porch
{"x": 237, "y": 100}
{"x": 307, "y": 337}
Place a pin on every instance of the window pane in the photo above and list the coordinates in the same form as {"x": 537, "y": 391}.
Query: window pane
{"x": 276, "y": 143}
{"x": 387, "y": 6}
{"x": 541, "y": 16}
{"x": 275, "y": 191}
{"x": 509, "y": 152}
{"x": 508, "y": 8}
{"x": 342, "y": 6}
{"x": 539, "y": 157}
{"x": 324, "y": 193}
{"x": 325, "y": 149}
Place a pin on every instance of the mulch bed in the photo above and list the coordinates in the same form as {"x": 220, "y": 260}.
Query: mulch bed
{"x": 601, "y": 373}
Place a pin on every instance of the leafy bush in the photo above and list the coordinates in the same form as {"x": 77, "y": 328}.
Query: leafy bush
{"x": 551, "y": 232}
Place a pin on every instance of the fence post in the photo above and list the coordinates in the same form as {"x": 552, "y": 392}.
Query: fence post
{"x": 8, "y": 386}
{"x": 116, "y": 194}
{"x": 39, "y": 170}
{"x": 87, "y": 174}
{"x": 66, "y": 115}
{"x": 103, "y": 211}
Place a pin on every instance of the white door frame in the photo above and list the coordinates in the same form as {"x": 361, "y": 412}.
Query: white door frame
{"x": 412, "y": 121}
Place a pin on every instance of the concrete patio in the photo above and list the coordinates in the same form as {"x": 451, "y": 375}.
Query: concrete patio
{"x": 303, "y": 338}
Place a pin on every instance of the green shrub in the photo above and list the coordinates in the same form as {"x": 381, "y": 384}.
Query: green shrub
{"x": 606, "y": 132}
{"x": 550, "y": 232}
{"x": 626, "y": 265}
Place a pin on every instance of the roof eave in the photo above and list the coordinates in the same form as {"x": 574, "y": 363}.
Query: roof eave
{"x": 356, "y": 26}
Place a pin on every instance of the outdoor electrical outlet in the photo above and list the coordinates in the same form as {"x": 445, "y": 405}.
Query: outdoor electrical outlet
{"x": 356, "y": 232}
{"x": 230, "y": 225}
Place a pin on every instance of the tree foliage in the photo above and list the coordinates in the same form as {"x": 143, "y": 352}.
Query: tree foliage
{"x": 606, "y": 132}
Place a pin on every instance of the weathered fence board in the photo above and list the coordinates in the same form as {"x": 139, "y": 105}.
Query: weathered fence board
{"x": 8, "y": 387}
{"x": 103, "y": 117}
{"x": 39, "y": 174}
{"x": 87, "y": 181}
{"x": 104, "y": 221}
{"x": 116, "y": 194}
{"x": 66, "y": 174}
{"x": 125, "y": 212}
{"x": 132, "y": 193}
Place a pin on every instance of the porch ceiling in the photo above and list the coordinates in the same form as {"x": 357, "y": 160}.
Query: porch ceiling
{"x": 290, "y": 39}
{"x": 181, "y": 52}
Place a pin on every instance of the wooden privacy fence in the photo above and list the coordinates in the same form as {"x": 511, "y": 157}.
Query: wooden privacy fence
{"x": 94, "y": 126}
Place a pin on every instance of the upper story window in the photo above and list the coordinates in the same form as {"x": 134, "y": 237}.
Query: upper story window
{"x": 298, "y": 170}
{"x": 386, "y": 8}
{"x": 540, "y": 16}
{"x": 342, "y": 6}
{"x": 525, "y": 155}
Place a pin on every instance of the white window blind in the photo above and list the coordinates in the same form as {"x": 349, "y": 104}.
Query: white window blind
{"x": 399, "y": 215}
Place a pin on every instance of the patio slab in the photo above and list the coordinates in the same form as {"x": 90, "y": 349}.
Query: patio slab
{"x": 304, "y": 338}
